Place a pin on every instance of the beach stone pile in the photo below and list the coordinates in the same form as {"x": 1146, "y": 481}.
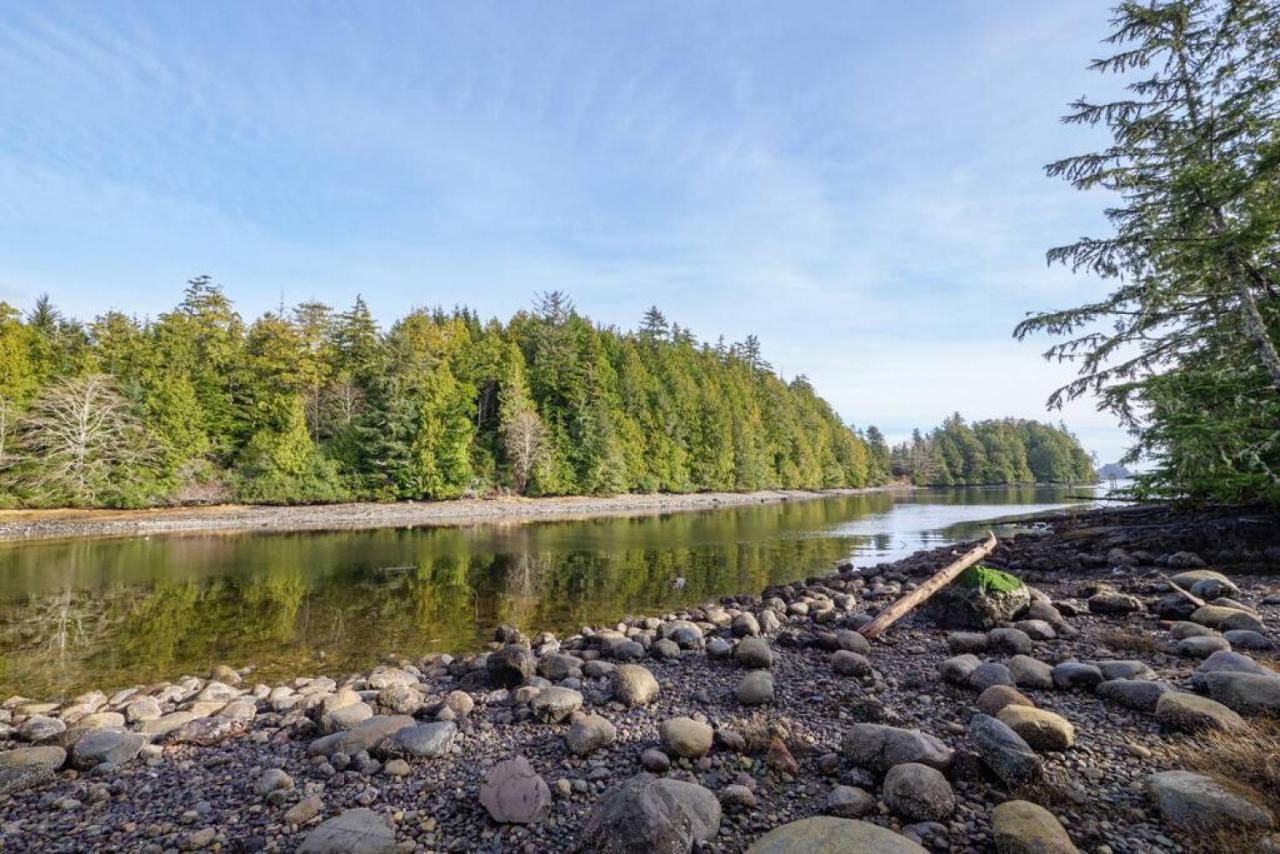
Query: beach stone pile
{"x": 762, "y": 723}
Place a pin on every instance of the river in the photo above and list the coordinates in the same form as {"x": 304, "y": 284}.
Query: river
{"x": 110, "y": 613}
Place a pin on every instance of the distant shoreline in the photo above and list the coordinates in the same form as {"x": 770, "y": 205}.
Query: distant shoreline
{"x": 33, "y": 525}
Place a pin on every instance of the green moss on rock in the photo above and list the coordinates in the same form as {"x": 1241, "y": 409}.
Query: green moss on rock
{"x": 988, "y": 580}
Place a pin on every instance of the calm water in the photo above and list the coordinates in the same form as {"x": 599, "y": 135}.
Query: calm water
{"x": 108, "y": 613}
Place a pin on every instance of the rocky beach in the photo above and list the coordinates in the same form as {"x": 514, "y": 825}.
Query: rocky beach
{"x": 1122, "y": 698}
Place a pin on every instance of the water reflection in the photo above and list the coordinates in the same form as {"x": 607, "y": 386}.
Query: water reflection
{"x": 113, "y": 612}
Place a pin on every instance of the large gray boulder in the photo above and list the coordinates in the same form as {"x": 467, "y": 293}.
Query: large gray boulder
{"x": 106, "y": 745}
{"x": 878, "y": 748}
{"x": 1225, "y": 662}
{"x": 634, "y": 685}
{"x": 833, "y": 836}
{"x": 1246, "y": 693}
{"x": 649, "y": 814}
{"x": 918, "y": 793}
{"x": 357, "y": 831}
{"x": 428, "y": 741}
{"x": 1138, "y": 694}
{"x": 958, "y": 607}
{"x": 25, "y": 767}
{"x": 1194, "y": 802}
{"x": 363, "y": 736}
{"x": 1193, "y": 713}
{"x": 514, "y": 793}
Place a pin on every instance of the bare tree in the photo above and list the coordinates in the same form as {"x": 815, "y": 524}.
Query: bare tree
{"x": 524, "y": 440}
{"x": 80, "y": 438}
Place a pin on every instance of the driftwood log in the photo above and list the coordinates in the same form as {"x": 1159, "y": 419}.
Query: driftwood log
{"x": 940, "y": 579}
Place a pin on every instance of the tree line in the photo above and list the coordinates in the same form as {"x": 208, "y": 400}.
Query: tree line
{"x": 989, "y": 452}
{"x": 315, "y": 405}
{"x": 1185, "y": 348}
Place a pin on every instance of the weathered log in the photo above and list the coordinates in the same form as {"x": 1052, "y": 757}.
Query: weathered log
{"x": 940, "y": 579}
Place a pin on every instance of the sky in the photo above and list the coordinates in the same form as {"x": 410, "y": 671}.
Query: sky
{"x": 859, "y": 184}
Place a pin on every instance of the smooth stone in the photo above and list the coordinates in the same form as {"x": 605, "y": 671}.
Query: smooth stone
{"x": 588, "y": 733}
{"x": 651, "y": 814}
{"x": 40, "y": 728}
{"x": 1004, "y": 751}
{"x": 990, "y": 673}
{"x": 1111, "y": 602}
{"x": 1248, "y": 639}
{"x": 555, "y": 704}
{"x": 1191, "y": 577}
{"x": 426, "y": 741}
{"x": 1030, "y": 672}
{"x": 1194, "y": 802}
{"x": 113, "y": 746}
{"x": 514, "y": 793}
{"x": 1124, "y": 669}
{"x": 853, "y": 642}
{"x": 829, "y": 835}
{"x": 1213, "y": 615}
{"x": 960, "y": 643}
{"x": 207, "y": 732}
{"x": 745, "y": 624}
{"x": 1246, "y": 693}
{"x": 878, "y": 748}
{"x": 1242, "y": 621}
{"x": 958, "y": 668}
{"x": 686, "y": 737}
{"x": 1193, "y": 713}
{"x": 850, "y": 802}
{"x": 634, "y": 685}
{"x": 848, "y": 663}
{"x": 753, "y": 653}
{"x": 1076, "y": 676}
{"x": 1184, "y": 629}
{"x": 1202, "y": 647}
{"x": 1139, "y": 694}
{"x": 365, "y": 735}
{"x": 1225, "y": 662}
{"x": 166, "y": 724}
{"x": 356, "y": 831}
{"x": 1021, "y": 827}
{"x": 918, "y": 792}
{"x": 1013, "y": 641}
{"x": 1040, "y": 728}
{"x": 755, "y": 689}
{"x": 995, "y": 698}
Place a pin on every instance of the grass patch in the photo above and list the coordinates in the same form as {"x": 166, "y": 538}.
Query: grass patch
{"x": 1129, "y": 641}
{"x": 1244, "y": 762}
{"x": 988, "y": 580}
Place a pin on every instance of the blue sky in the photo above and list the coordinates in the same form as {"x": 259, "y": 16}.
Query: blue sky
{"x": 859, "y": 184}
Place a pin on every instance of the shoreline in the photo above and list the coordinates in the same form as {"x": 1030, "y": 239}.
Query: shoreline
{"x": 762, "y": 705}
{"x": 33, "y": 525}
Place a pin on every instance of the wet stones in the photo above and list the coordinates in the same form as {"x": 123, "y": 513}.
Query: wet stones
{"x": 1193, "y": 713}
{"x": 686, "y": 737}
{"x": 634, "y": 685}
{"x": 647, "y": 814}
{"x": 918, "y": 792}
{"x": 514, "y": 793}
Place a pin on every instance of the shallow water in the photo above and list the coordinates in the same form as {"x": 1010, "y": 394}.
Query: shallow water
{"x": 108, "y": 613}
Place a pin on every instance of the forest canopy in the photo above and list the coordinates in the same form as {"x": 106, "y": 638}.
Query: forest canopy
{"x": 314, "y": 405}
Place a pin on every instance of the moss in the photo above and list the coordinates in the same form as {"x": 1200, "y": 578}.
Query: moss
{"x": 988, "y": 580}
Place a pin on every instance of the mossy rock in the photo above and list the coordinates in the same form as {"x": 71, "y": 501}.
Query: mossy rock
{"x": 988, "y": 580}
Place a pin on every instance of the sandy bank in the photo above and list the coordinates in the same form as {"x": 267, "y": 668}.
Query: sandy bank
{"x": 54, "y": 524}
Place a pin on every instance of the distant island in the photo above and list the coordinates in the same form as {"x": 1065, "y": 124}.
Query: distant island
{"x": 1114, "y": 471}
{"x": 312, "y": 405}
